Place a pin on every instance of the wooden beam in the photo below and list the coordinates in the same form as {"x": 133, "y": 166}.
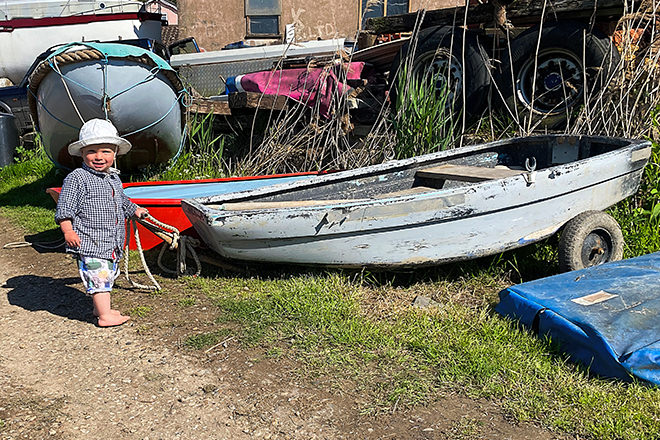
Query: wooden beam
{"x": 239, "y": 100}
{"x": 252, "y": 100}
{"x": 518, "y": 12}
{"x": 205, "y": 105}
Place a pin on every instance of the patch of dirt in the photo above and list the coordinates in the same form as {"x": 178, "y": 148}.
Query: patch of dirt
{"x": 63, "y": 377}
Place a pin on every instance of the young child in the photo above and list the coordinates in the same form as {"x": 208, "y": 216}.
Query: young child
{"x": 91, "y": 211}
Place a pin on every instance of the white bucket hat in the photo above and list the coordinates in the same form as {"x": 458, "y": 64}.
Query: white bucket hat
{"x": 99, "y": 131}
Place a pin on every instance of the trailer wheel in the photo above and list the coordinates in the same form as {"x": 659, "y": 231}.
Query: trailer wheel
{"x": 439, "y": 57}
{"x": 590, "y": 239}
{"x": 546, "y": 79}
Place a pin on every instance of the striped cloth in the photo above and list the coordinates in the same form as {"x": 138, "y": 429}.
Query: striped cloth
{"x": 97, "y": 206}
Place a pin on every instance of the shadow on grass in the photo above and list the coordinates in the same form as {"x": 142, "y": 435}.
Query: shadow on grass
{"x": 34, "y": 193}
{"x": 54, "y": 295}
{"x": 47, "y": 242}
{"x": 524, "y": 264}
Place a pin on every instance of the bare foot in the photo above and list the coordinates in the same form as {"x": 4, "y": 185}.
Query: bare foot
{"x": 112, "y": 320}
{"x": 113, "y": 311}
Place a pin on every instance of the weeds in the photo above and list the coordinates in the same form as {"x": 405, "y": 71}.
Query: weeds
{"x": 140, "y": 311}
{"x": 202, "y": 157}
{"x": 625, "y": 106}
{"x": 23, "y": 186}
{"x": 187, "y": 301}
{"x": 424, "y": 122}
{"x": 639, "y": 216}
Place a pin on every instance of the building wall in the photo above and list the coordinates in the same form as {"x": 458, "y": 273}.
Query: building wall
{"x": 215, "y": 23}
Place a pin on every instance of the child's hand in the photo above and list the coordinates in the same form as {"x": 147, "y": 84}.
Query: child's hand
{"x": 141, "y": 212}
{"x": 72, "y": 240}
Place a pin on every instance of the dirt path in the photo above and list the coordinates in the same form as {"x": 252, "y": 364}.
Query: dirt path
{"x": 62, "y": 377}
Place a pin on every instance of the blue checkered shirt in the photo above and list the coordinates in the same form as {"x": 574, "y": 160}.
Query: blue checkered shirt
{"x": 97, "y": 206}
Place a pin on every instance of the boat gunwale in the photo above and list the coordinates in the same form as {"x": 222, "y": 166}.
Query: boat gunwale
{"x": 207, "y": 206}
{"x": 224, "y": 215}
{"x": 174, "y": 202}
{"x": 68, "y": 20}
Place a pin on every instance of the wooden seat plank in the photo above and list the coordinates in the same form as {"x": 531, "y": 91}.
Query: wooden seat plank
{"x": 466, "y": 173}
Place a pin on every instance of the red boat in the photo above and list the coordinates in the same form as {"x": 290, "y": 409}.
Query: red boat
{"x": 163, "y": 198}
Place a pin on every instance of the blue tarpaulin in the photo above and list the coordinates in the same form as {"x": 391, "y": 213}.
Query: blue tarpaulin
{"x": 605, "y": 317}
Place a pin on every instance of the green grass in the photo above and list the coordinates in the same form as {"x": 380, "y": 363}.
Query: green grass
{"x": 424, "y": 121}
{"x": 187, "y": 301}
{"x": 23, "y": 197}
{"x": 140, "y": 311}
{"x": 205, "y": 340}
{"x": 202, "y": 157}
{"x": 639, "y": 216}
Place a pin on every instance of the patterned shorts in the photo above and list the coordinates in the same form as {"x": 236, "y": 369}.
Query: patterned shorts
{"x": 97, "y": 274}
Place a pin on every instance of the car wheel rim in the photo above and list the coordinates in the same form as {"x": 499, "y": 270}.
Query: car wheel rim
{"x": 551, "y": 82}
{"x": 443, "y": 70}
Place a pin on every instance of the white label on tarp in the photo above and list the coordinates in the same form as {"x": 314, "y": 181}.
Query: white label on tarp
{"x": 594, "y": 298}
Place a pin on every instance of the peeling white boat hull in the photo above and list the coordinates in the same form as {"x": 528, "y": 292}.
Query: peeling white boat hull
{"x": 373, "y": 217}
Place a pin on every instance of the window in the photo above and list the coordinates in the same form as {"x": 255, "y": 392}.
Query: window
{"x": 395, "y": 7}
{"x": 263, "y": 17}
{"x": 380, "y": 8}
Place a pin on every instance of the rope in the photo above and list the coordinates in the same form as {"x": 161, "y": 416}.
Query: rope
{"x": 153, "y": 73}
{"x": 183, "y": 245}
{"x": 50, "y": 113}
{"x": 154, "y": 286}
{"x": 186, "y": 245}
{"x": 68, "y": 92}
{"x": 156, "y": 121}
{"x": 106, "y": 98}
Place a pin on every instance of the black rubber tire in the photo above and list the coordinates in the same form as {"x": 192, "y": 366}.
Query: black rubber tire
{"x": 560, "y": 50}
{"x": 590, "y": 239}
{"x": 5, "y": 108}
{"x": 477, "y": 78}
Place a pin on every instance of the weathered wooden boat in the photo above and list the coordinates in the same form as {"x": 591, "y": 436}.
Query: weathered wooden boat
{"x": 131, "y": 86}
{"x": 163, "y": 198}
{"x": 447, "y": 206}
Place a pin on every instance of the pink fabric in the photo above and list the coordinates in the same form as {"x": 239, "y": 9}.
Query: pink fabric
{"x": 313, "y": 86}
